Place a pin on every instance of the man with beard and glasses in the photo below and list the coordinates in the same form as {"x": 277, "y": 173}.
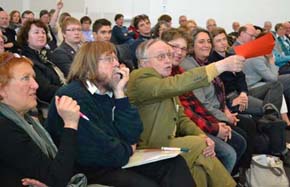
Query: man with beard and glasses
{"x": 109, "y": 136}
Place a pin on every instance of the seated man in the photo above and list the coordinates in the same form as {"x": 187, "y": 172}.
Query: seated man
{"x": 154, "y": 92}
{"x": 109, "y": 137}
{"x": 63, "y": 55}
{"x": 102, "y": 31}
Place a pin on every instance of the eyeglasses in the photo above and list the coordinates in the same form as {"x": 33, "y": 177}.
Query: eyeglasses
{"x": 74, "y": 29}
{"x": 162, "y": 56}
{"x": 109, "y": 59}
{"x": 175, "y": 47}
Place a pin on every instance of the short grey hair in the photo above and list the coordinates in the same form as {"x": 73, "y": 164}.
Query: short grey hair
{"x": 141, "y": 51}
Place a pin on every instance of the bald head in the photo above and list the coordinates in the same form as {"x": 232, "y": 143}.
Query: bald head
{"x": 247, "y": 33}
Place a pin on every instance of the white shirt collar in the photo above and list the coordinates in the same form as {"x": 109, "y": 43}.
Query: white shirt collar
{"x": 92, "y": 88}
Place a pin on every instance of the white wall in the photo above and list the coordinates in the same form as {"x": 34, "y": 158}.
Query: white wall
{"x": 224, "y": 11}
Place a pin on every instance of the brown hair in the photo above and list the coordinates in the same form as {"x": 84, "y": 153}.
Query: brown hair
{"x": 7, "y": 62}
{"x": 216, "y": 31}
{"x": 69, "y": 21}
{"x": 139, "y": 18}
{"x": 12, "y": 14}
{"x": 173, "y": 34}
{"x": 85, "y": 63}
{"x": 22, "y": 36}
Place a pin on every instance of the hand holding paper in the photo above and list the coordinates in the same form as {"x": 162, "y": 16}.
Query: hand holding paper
{"x": 259, "y": 47}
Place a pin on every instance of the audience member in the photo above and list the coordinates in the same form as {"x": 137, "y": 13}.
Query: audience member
{"x": 143, "y": 26}
{"x": 86, "y": 29}
{"x": 102, "y": 31}
{"x": 32, "y": 37}
{"x": 159, "y": 28}
{"x": 190, "y": 26}
{"x": 64, "y": 54}
{"x": 167, "y": 18}
{"x": 106, "y": 142}
{"x": 233, "y": 35}
{"x": 210, "y": 24}
{"x": 267, "y": 26}
{"x": 28, "y": 150}
{"x": 10, "y": 34}
{"x": 229, "y": 145}
{"x": 63, "y": 16}
{"x": 120, "y": 33}
{"x": 154, "y": 92}
{"x": 15, "y": 20}
{"x": 182, "y": 21}
{"x": 27, "y": 15}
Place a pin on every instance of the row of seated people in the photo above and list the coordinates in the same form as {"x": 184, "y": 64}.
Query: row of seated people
{"x": 104, "y": 143}
{"x": 179, "y": 52}
{"x": 220, "y": 129}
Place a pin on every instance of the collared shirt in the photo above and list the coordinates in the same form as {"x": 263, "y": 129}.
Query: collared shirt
{"x": 92, "y": 88}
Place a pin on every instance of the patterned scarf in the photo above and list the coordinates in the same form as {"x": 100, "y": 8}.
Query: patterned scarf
{"x": 284, "y": 48}
{"x": 218, "y": 86}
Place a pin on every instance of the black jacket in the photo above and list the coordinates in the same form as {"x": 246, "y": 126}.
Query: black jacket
{"x": 232, "y": 81}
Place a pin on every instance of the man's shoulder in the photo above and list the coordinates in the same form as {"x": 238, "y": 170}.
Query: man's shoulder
{"x": 143, "y": 73}
{"x": 74, "y": 89}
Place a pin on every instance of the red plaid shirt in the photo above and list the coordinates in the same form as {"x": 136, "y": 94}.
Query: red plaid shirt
{"x": 196, "y": 111}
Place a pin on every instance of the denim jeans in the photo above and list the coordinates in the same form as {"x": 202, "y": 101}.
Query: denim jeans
{"x": 231, "y": 151}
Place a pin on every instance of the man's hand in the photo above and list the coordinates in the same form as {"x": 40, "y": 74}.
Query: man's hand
{"x": 120, "y": 79}
{"x": 209, "y": 150}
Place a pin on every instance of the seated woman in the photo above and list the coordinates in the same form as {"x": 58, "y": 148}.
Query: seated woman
{"x": 229, "y": 145}
{"x": 213, "y": 96}
{"x": 27, "y": 150}
{"x": 33, "y": 38}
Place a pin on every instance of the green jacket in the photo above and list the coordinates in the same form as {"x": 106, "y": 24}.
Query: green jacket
{"x": 158, "y": 104}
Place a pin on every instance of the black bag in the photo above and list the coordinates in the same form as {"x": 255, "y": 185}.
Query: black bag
{"x": 274, "y": 127}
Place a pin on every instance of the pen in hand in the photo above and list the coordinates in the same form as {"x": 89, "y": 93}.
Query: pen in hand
{"x": 81, "y": 114}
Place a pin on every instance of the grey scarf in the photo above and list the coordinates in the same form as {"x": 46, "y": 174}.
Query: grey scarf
{"x": 35, "y": 130}
{"x": 40, "y": 136}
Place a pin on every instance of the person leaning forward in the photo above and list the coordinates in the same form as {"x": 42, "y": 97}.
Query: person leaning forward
{"x": 155, "y": 93}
